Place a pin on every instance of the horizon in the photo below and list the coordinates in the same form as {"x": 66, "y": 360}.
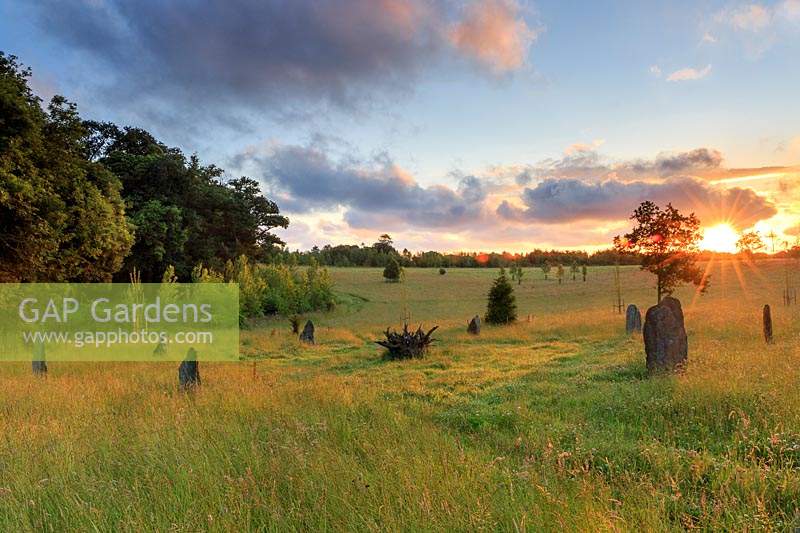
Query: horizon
{"x": 500, "y": 125}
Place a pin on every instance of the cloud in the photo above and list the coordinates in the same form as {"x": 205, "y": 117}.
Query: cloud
{"x": 699, "y": 159}
{"x": 584, "y": 162}
{"x": 655, "y": 70}
{"x": 758, "y": 26}
{"x": 790, "y": 10}
{"x": 752, "y": 17}
{"x": 586, "y": 196}
{"x": 270, "y": 55}
{"x": 566, "y": 200}
{"x": 687, "y": 74}
{"x": 793, "y": 231}
{"x": 494, "y": 33}
{"x": 708, "y": 38}
{"x": 374, "y": 193}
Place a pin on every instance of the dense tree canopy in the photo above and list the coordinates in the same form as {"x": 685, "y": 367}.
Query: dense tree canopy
{"x": 86, "y": 200}
{"x": 62, "y": 215}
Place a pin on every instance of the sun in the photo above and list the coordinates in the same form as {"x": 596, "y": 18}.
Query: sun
{"x": 720, "y": 238}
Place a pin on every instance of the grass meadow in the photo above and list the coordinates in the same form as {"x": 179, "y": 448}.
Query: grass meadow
{"x": 551, "y": 424}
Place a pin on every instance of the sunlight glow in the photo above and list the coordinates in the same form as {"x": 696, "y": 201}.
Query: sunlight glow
{"x": 720, "y": 238}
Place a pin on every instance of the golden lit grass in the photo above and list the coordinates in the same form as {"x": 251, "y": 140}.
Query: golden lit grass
{"x": 545, "y": 425}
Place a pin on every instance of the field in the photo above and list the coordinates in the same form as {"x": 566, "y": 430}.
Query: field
{"x": 549, "y": 424}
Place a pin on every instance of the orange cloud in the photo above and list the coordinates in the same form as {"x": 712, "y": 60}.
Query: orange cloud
{"x": 687, "y": 74}
{"x": 495, "y": 34}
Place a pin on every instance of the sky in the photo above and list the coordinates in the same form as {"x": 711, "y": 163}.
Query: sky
{"x": 452, "y": 125}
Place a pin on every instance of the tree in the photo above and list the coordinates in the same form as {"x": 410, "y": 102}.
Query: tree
{"x": 584, "y": 271}
{"x": 560, "y": 273}
{"x": 257, "y": 216}
{"x": 393, "y": 270}
{"x": 516, "y": 273}
{"x": 573, "y": 268}
{"x": 749, "y": 243}
{"x": 62, "y": 216}
{"x": 668, "y": 242}
{"x": 385, "y": 245}
{"x": 502, "y": 307}
{"x": 185, "y": 213}
{"x": 545, "y": 268}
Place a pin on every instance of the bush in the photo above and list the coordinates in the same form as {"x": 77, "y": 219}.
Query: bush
{"x": 442, "y": 271}
{"x": 273, "y": 289}
{"x": 502, "y": 307}
{"x": 393, "y": 270}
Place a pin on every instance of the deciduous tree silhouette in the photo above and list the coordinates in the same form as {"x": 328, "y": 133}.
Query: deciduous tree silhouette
{"x": 668, "y": 242}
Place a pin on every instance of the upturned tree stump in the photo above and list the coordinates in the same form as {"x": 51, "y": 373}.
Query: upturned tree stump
{"x": 767, "y": 324}
{"x": 474, "y": 326}
{"x": 665, "y": 341}
{"x": 405, "y": 344}
{"x": 633, "y": 320}
{"x": 189, "y": 371}
{"x": 307, "y": 336}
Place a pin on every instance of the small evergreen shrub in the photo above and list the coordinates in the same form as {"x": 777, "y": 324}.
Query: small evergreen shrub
{"x": 502, "y": 307}
{"x": 442, "y": 272}
{"x": 393, "y": 270}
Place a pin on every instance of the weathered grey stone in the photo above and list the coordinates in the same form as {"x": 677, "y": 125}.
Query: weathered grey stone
{"x": 307, "y": 335}
{"x": 160, "y": 350}
{"x": 633, "y": 320}
{"x": 767, "y": 324}
{"x": 474, "y": 325}
{"x": 665, "y": 340}
{"x": 189, "y": 371}
{"x": 39, "y": 365}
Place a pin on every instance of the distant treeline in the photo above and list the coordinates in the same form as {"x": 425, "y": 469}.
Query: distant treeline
{"x": 379, "y": 254}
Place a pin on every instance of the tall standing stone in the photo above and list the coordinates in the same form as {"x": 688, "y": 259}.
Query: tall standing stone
{"x": 665, "y": 340}
{"x": 633, "y": 320}
{"x": 39, "y": 368}
{"x": 474, "y": 326}
{"x": 767, "y": 324}
{"x": 189, "y": 371}
{"x": 307, "y": 335}
{"x": 39, "y": 365}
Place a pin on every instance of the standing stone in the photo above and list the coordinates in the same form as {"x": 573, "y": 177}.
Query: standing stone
{"x": 39, "y": 365}
{"x": 189, "y": 371}
{"x": 161, "y": 350}
{"x": 633, "y": 320}
{"x": 665, "y": 339}
{"x": 767, "y": 324}
{"x": 474, "y": 325}
{"x": 39, "y": 368}
{"x": 307, "y": 335}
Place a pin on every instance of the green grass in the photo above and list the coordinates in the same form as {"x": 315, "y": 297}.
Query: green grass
{"x": 551, "y": 424}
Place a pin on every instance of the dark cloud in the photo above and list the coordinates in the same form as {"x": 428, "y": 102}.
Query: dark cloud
{"x": 567, "y": 200}
{"x": 268, "y": 54}
{"x": 584, "y": 162}
{"x": 686, "y": 162}
{"x": 375, "y": 193}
